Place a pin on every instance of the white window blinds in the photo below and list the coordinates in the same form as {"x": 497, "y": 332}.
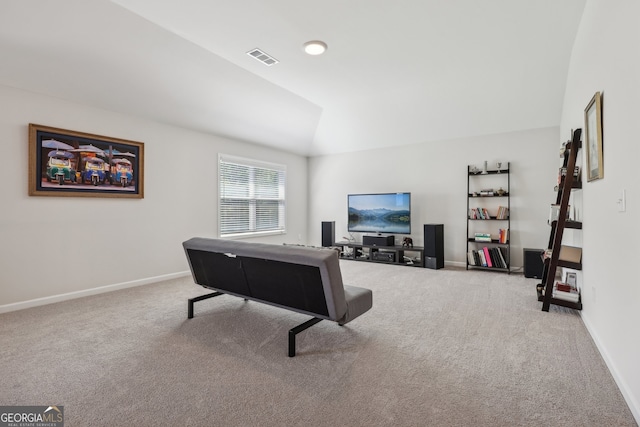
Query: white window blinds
{"x": 252, "y": 196}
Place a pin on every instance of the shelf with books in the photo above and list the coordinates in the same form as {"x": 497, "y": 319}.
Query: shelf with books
{"x": 559, "y": 254}
{"x": 489, "y": 256}
{"x": 492, "y": 241}
{"x": 488, "y": 218}
{"x": 571, "y": 299}
{"x": 482, "y": 213}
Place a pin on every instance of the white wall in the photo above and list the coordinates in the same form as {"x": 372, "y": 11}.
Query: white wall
{"x": 605, "y": 58}
{"x": 436, "y": 175}
{"x": 52, "y": 246}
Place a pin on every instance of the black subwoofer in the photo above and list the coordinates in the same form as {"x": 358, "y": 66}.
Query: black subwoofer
{"x": 533, "y": 265}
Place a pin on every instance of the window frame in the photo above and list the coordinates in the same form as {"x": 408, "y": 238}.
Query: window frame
{"x": 253, "y": 164}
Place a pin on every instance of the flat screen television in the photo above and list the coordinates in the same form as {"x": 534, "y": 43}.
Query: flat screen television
{"x": 379, "y": 213}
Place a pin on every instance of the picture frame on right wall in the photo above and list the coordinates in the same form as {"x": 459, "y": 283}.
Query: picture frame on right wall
{"x": 593, "y": 134}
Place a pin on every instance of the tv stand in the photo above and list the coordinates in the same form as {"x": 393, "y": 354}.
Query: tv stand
{"x": 397, "y": 255}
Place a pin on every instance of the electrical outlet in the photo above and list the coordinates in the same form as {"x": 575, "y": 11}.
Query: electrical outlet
{"x": 622, "y": 201}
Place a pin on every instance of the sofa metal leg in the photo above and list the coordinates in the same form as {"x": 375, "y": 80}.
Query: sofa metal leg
{"x": 200, "y": 298}
{"x": 296, "y": 330}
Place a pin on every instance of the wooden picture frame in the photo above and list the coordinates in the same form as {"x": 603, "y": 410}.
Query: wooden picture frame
{"x": 593, "y": 134}
{"x": 68, "y": 163}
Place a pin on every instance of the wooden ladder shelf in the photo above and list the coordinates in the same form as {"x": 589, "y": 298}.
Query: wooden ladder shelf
{"x": 567, "y": 183}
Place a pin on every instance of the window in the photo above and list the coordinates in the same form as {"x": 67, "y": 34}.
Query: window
{"x": 252, "y": 197}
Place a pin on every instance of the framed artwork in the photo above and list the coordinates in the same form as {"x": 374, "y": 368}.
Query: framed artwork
{"x": 593, "y": 127}
{"x": 75, "y": 164}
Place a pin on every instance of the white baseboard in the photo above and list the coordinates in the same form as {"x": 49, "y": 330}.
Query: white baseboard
{"x": 634, "y": 405}
{"x": 86, "y": 292}
{"x": 454, "y": 264}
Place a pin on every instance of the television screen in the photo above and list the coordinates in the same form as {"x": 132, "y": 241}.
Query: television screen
{"x": 379, "y": 213}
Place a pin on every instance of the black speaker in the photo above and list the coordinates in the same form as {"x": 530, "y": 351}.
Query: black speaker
{"x": 533, "y": 264}
{"x": 434, "y": 246}
{"x": 328, "y": 233}
{"x": 378, "y": 240}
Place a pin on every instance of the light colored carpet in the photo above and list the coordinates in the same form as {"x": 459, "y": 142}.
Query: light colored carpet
{"x": 442, "y": 347}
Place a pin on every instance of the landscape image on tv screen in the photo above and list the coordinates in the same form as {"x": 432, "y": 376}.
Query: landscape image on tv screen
{"x": 380, "y": 213}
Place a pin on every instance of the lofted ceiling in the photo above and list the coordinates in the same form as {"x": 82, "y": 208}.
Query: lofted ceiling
{"x": 395, "y": 73}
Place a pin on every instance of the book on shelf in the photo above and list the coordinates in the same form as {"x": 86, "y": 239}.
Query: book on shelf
{"x": 494, "y": 257}
{"x": 478, "y": 213}
{"x": 482, "y": 237}
{"x": 487, "y": 256}
{"x": 497, "y": 257}
{"x": 470, "y": 258}
{"x": 571, "y": 296}
{"x": 483, "y": 261}
{"x": 503, "y": 235}
{"x": 503, "y": 212}
{"x": 566, "y": 296}
{"x": 500, "y": 261}
{"x": 483, "y": 213}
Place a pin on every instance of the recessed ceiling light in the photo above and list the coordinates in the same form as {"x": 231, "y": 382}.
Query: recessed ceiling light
{"x": 315, "y": 47}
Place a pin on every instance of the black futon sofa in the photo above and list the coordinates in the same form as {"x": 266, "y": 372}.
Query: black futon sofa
{"x": 303, "y": 279}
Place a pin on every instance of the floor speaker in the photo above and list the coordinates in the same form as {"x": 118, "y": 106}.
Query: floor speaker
{"x": 328, "y": 233}
{"x": 533, "y": 265}
{"x": 434, "y": 246}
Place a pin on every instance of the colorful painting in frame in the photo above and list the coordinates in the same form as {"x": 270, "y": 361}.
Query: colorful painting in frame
{"x": 68, "y": 163}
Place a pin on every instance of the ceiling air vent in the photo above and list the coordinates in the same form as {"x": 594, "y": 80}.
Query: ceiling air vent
{"x": 262, "y": 57}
